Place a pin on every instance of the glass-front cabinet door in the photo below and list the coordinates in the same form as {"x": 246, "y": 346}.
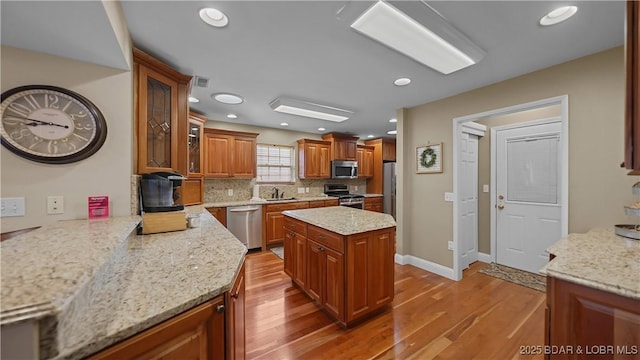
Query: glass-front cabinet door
{"x": 196, "y": 153}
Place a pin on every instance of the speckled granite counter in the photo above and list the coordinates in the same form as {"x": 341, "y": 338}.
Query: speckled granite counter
{"x": 598, "y": 259}
{"x": 264, "y": 201}
{"x": 92, "y": 284}
{"x": 372, "y": 195}
{"x": 343, "y": 220}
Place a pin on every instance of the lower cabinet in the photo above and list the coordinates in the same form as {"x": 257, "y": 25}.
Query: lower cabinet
{"x": 195, "y": 334}
{"x": 211, "y": 331}
{"x": 220, "y": 213}
{"x": 273, "y": 220}
{"x": 351, "y": 277}
{"x": 373, "y": 204}
{"x": 603, "y": 324}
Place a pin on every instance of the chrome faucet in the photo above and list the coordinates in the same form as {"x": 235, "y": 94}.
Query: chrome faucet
{"x": 274, "y": 193}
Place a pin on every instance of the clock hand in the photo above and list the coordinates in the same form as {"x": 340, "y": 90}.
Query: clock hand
{"x": 40, "y": 122}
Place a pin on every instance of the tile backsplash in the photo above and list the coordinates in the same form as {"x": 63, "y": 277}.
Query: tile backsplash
{"x": 217, "y": 190}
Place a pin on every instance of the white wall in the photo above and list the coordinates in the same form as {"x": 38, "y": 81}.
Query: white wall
{"x": 107, "y": 172}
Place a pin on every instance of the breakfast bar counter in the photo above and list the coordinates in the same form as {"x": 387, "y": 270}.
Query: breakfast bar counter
{"x": 89, "y": 284}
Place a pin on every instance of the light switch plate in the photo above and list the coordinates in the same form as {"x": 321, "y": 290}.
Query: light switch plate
{"x": 300, "y": 190}
{"x": 230, "y": 192}
{"x": 450, "y": 245}
{"x": 485, "y": 188}
{"x": 448, "y": 196}
{"x": 12, "y": 207}
{"x": 306, "y": 190}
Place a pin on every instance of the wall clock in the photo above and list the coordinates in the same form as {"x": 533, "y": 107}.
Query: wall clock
{"x": 50, "y": 125}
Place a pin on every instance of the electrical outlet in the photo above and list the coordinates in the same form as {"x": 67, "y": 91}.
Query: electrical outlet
{"x": 300, "y": 190}
{"x": 485, "y": 188}
{"x": 12, "y": 207}
{"x": 55, "y": 205}
{"x": 450, "y": 245}
{"x": 230, "y": 192}
{"x": 306, "y": 190}
{"x": 448, "y": 196}
{"x": 355, "y": 188}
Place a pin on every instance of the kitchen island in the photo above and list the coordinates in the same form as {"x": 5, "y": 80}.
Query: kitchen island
{"x": 342, "y": 258}
{"x": 593, "y": 295}
{"x": 81, "y": 286}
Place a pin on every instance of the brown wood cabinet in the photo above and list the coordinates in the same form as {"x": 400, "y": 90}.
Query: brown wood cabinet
{"x": 314, "y": 159}
{"x": 220, "y": 213}
{"x": 161, "y": 115}
{"x": 632, "y": 108}
{"x": 373, "y": 204}
{"x": 192, "y": 190}
{"x": 229, "y": 154}
{"x": 198, "y": 333}
{"x": 343, "y": 147}
{"x": 577, "y": 315}
{"x": 365, "y": 160}
{"x": 384, "y": 150}
{"x": 235, "y": 329}
{"x": 351, "y": 277}
{"x": 273, "y": 222}
{"x": 323, "y": 203}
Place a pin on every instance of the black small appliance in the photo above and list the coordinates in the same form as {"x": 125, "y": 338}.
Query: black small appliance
{"x": 158, "y": 192}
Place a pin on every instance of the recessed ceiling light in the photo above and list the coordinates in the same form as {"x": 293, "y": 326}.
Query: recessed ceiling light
{"x": 284, "y": 124}
{"x": 558, "y": 15}
{"x": 402, "y": 81}
{"x": 392, "y": 132}
{"x": 232, "y": 116}
{"x": 193, "y": 100}
{"x": 394, "y": 120}
{"x": 214, "y": 17}
{"x": 321, "y": 129}
{"x": 227, "y": 98}
{"x": 370, "y": 136}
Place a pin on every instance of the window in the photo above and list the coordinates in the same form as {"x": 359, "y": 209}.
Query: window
{"x": 275, "y": 163}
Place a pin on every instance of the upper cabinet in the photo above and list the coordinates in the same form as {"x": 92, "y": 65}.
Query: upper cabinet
{"x": 384, "y": 150}
{"x": 195, "y": 145}
{"x": 314, "y": 159}
{"x": 343, "y": 147}
{"x": 229, "y": 154}
{"x": 161, "y": 115}
{"x": 365, "y": 160}
{"x": 632, "y": 110}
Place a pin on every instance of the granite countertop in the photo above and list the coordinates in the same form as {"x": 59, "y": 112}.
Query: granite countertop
{"x": 598, "y": 259}
{"x": 97, "y": 283}
{"x": 373, "y": 195}
{"x": 343, "y": 220}
{"x": 264, "y": 201}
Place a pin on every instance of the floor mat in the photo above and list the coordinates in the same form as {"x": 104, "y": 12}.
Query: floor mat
{"x": 279, "y": 251}
{"x": 520, "y": 277}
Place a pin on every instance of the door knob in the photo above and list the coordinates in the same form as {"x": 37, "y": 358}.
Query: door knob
{"x": 500, "y": 206}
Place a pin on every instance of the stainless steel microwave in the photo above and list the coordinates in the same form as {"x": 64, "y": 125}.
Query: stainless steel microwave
{"x": 344, "y": 169}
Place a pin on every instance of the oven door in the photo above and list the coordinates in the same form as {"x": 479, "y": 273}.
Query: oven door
{"x": 352, "y": 203}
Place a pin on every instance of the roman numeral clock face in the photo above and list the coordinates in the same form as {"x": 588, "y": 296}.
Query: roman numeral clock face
{"x": 51, "y": 125}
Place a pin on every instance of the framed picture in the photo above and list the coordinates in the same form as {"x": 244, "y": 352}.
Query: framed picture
{"x": 429, "y": 159}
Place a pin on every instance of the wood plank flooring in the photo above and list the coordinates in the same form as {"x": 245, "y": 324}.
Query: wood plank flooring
{"x": 480, "y": 317}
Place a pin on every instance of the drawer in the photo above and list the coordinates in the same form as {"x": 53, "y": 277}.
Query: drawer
{"x": 326, "y": 238}
{"x": 373, "y": 201}
{"x": 287, "y": 206}
{"x": 316, "y": 204}
{"x": 296, "y": 226}
{"x": 332, "y": 202}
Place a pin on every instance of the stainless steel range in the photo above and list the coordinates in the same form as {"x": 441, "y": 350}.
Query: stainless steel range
{"x": 341, "y": 191}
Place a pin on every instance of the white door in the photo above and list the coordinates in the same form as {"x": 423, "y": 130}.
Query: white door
{"x": 528, "y": 198}
{"x": 468, "y": 199}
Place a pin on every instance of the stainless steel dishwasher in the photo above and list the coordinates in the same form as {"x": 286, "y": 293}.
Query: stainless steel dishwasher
{"x": 245, "y": 222}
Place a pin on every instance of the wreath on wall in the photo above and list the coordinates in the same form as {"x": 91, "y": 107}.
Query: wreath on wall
{"x": 428, "y": 158}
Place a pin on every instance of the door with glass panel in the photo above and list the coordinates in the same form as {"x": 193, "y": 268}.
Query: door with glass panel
{"x": 528, "y": 198}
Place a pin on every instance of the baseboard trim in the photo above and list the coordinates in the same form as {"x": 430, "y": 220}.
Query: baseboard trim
{"x": 485, "y": 258}
{"x": 425, "y": 265}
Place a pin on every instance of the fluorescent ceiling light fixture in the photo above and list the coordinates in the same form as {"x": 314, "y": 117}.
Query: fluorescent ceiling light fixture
{"x": 214, "y": 17}
{"x": 232, "y": 116}
{"x": 402, "y": 82}
{"x": 193, "y": 99}
{"x": 321, "y": 129}
{"x": 558, "y": 15}
{"x": 284, "y": 124}
{"x": 228, "y": 98}
{"x": 308, "y": 109}
{"x": 394, "y": 120}
{"x": 440, "y": 46}
{"x": 392, "y": 132}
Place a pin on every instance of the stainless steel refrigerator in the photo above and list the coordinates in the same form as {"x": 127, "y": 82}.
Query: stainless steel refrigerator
{"x": 389, "y": 188}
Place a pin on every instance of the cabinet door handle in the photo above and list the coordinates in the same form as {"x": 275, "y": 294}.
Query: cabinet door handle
{"x": 220, "y": 308}
{"x": 320, "y": 248}
{"x": 235, "y": 296}
{"x": 321, "y": 237}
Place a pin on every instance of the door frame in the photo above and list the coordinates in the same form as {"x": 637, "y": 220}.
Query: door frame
{"x": 458, "y": 124}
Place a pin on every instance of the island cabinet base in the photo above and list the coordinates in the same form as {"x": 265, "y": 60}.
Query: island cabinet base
{"x": 351, "y": 277}
{"x": 582, "y": 322}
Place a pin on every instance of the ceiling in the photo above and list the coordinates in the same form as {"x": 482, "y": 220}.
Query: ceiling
{"x": 307, "y": 50}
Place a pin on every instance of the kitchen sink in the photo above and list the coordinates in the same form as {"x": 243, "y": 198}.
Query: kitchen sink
{"x": 282, "y": 199}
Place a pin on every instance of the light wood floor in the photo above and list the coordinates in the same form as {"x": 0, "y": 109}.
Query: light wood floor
{"x": 479, "y": 317}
